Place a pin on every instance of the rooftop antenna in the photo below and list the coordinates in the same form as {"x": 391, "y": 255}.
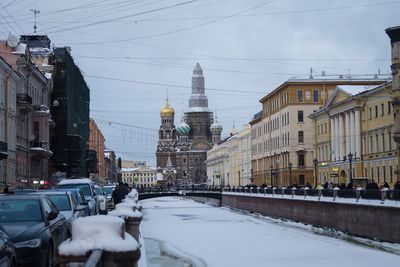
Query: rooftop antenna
{"x": 311, "y": 71}
{"x": 35, "y": 12}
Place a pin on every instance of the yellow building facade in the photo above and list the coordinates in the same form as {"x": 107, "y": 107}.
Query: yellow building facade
{"x": 353, "y": 138}
{"x": 282, "y": 134}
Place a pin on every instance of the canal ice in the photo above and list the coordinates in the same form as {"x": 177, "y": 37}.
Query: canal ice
{"x": 222, "y": 237}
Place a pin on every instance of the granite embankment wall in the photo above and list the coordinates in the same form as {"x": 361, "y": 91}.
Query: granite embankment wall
{"x": 375, "y": 222}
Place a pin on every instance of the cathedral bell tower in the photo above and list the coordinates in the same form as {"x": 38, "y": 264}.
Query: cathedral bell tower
{"x": 167, "y": 131}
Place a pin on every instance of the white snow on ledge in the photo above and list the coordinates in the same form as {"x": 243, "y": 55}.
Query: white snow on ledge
{"x": 341, "y": 200}
{"x": 97, "y": 232}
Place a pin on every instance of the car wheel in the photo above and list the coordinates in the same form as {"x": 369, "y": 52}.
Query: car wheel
{"x": 50, "y": 256}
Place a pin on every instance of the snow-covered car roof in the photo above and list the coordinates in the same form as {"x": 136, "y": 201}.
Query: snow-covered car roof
{"x": 76, "y": 181}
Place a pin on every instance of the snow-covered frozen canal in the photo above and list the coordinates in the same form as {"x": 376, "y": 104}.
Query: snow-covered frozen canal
{"x": 221, "y": 237}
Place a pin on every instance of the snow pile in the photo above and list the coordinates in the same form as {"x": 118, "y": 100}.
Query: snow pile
{"x": 127, "y": 208}
{"x": 129, "y": 203}
{"x": 97, "y": 232}
{"x": 125, "y": 211}
{"x": 133, "y": 195}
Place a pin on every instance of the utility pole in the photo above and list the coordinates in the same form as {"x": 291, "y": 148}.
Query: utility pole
{"x": 35, "y": 12}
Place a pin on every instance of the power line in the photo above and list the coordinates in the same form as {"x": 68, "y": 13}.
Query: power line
{"x": 170, "y": 85}
{"x": 122, "y": 17}
{"x": 181, "y": 29}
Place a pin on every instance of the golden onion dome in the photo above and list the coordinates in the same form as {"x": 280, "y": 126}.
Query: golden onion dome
{"x": 167, "y": 110}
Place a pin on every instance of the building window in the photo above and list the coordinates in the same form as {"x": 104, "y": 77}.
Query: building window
{"x": 377, "y": 173}
{"x": 301, "y": 162}
{"x": 301, "y": 179}
{"x": 300, "y": 96}
{"x": 382, "y": 109}
{"x": 300, "y": 116}
{"x": 301, "y": 137}
{"x": 391, "y": 173}
{"x": 315, "y": 96}
{"x": 376, "y": 111}
{"x": 384, "y": 173}
{"x": 390, "y": 140}
{"x": 389, "y": 107}
{"x": 383, "y": 142}
{"x": 326, "y": 127}
{"x": 377, "y": 143}
{"x": 371, "y": 145}
{"x": 370, "y": 113}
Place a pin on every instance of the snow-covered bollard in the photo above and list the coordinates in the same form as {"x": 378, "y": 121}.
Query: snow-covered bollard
{"x": 293, "y": 191}
{"x": 358, "y": 193}
{"x": 273, "y": 191}
{"x": 106, "y": 233}
{"x": 305, "y": 192}
{"x": 265, "y": 190}
{"x": 335, "y": 190}
{"x": 258, "y": 190}
{"x": 283, "y": 191}
{"x": 132, "y": 219}
{"x": 383, "y": 194}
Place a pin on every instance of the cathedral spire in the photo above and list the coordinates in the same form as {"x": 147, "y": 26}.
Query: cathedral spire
{"x": 198, "y": 101}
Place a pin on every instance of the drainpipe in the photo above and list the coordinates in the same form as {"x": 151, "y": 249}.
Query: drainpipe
{"x": 5, "y": 166}
{"x": 27, "y": 123}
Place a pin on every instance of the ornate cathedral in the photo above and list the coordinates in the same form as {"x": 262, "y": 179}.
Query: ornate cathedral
{"x": 182, "y": 151}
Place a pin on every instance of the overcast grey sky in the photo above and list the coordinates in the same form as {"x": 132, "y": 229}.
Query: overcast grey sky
{"x": 131, "y": 51}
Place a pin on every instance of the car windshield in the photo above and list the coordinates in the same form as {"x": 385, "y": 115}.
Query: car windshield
{"x": 61, "y": 202}
{"x": 85, "y": 188}
{"x": 98, "y": 191}
{"x": 108, "y": 190}
{"x": 20, "y": 210}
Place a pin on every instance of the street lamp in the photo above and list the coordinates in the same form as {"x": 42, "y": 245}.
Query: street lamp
{"x": 272, "y": 182}
{"x": 315, "y": 170}
{"x": 350, "y": 157}
{"x": 290, "y": 173}
{"x": 239, "y": 177}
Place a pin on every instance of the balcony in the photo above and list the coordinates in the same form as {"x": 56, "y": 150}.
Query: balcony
{"x": 24, "y": 102}
{"x": 3, "y": 150}
{"x": 40, "y": 149}
{"x": 91, "y": 160}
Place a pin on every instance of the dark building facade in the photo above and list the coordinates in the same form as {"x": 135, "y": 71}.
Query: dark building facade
{"x": 183, "y": 149}
{"x": 70, "y": 110}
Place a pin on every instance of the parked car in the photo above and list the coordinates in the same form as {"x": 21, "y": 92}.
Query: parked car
{"x": 79, "y": 196}
{"x": 109, "y": 189}
{"x": 66, "y": 204}
{"x": 87, "y": 187}
{"x": 7, "y": 250}
{"x": 35, "y": 226}
{"x": 102, "y": 196}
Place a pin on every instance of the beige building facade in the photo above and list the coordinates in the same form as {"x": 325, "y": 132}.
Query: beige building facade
{"x": 229, "y": 161}
{"x": 142, "y": 177}
{"x": 282, "y": 135}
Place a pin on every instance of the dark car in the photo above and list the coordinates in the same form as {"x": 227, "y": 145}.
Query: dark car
{"x": 35, "y": 227}
{"x": 7, "y": 250}
{"x": 66, "y": 204}
{"x": 79, "y": 196}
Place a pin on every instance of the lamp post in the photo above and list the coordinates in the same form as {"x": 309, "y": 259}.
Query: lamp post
{"x": 290, "y": 173}
{"x": 239, "y": 177}
{"x": 315, "y": 170}
{"x": 350, "y": 157}
{"x": 272, "y": 182}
